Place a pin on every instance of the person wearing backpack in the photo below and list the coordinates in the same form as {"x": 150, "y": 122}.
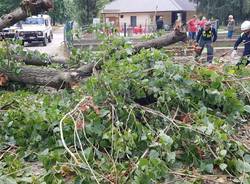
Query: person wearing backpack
{"x": 206, "y": 36}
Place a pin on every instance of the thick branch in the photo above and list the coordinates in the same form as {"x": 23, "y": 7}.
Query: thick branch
{"x": 47, "y": 77}
{"x": 26, "y": 9}
{"x": 162, "y": 41}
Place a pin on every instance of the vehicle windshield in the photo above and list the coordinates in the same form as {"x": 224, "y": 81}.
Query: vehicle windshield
{"x": 38, "y": 21}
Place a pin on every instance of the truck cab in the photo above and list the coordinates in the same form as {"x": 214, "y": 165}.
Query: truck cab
{"x": 36, "y": 28}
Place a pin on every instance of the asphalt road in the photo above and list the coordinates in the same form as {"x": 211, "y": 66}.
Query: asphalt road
{"x": 55, "y": 48}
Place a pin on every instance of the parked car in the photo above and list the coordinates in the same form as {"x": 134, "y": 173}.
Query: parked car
{"x": 11, "y": 32}
{"x": 36, "y": 28}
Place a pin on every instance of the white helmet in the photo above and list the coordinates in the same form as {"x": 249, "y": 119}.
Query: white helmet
{"x": 245, "y": 26}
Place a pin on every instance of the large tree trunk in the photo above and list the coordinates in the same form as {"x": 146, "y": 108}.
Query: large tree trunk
{"x": 47, "y": 76}
{"x": 39, "y": 61}
{"x": 162, "y": 41}
{"x": 26, "y": 9}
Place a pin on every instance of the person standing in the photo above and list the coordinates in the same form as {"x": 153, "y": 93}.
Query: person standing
{"x": 202, "y": 22}
{"x": 178, "y": 23}
{"x": 230, "y": 26}
{"x": 159, "y": 24}
{"x": 192, "y": 27}
{"x": 245, "y": 38}
{"x": 206, "y": 36}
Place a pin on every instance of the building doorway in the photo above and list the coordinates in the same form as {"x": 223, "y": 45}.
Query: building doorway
{"x": 133, "y": 21}
{"x": 175, "y": 16}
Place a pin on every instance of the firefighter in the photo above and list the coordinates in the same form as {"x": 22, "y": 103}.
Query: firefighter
{"x": 245, "y": 38}
{"x": 206, "y": 36}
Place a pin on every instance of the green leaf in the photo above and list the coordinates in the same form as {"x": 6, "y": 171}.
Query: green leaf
{"x": 7, "y": 180}
{"x": 207, "y": 167}
{"x": 171, "y": 157}
{"x": 143, "y": 163}
{"x": 223, "y": 153}
{"x": 165, "y": 139}
{"x": 247, "y": 108}
{"x": 223, "y": 166}
{"x": 153, "y": 154}
{"x": 242, "y": 167}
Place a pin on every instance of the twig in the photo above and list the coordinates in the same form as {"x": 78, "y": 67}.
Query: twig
{"x": 3, "y": 176}
{"x": 61, "y": 130}
{"x": 204, "y": 177}
{"x": 6, "y": 152}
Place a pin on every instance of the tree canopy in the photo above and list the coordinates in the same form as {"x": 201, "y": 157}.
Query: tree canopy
{"x": 7, "y": 5}
{"x": 221, "y": 9}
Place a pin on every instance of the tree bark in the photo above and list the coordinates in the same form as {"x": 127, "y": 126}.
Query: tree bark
{"x": 26, "y": 9}
{"x": 162, "y": 41}
{"x": 47, "y": 76}
{"x": 38, "y": 61}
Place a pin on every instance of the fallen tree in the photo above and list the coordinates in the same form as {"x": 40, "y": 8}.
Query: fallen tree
{"x": 50, "y": 77}
{"x": 26, "y": 9}
{"x": 61, "y": 79}
{"x": 54, "y": 77}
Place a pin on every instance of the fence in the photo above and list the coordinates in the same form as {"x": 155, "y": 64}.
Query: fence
{"x": 68, "y": 34}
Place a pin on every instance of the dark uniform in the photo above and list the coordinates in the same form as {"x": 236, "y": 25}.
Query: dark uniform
{"x": 159, "y": 24}
{"x": 245, "y": 38}
{"x": 206, "y": 38}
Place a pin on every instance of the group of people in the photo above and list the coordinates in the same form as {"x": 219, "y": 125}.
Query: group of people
{"x": 194, "y": 25}
{"x": 207, "y": 35}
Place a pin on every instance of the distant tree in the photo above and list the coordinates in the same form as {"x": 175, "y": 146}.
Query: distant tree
{"x": 86, "y": 10}
{"x": 7, "y": 5}
{"x": 222, "y": 8}
{"x": 59, "y": 12}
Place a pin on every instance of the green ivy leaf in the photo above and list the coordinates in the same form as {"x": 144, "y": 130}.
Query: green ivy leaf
{"x": 247, "y": 108}
{"x": 223, "y": 166}
{"x": 165, "y": 139}
{"x": 153, "y": 154}
{"x": 242, "y": 167}
{"x": 207, "y": 167}
{"x": 223, "y": 153}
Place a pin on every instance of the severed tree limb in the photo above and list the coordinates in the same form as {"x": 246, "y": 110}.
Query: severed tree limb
{"x": 61, "y": 79}
{"x": 47, "y": 76}
{"x": 39, "y": 61}
{"x": 26, "y": 9}
{"x": 162, "y": 41}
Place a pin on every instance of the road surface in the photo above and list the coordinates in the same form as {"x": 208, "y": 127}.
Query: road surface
{"x": 55, "y": 48}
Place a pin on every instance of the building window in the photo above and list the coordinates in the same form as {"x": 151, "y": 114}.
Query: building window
{"x": 133, "y": 21}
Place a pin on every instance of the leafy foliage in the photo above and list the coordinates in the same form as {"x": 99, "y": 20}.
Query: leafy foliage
{"x": 221, "y": 9}
{"x": 155, "y": 120}
{"x": 7, "y": 5}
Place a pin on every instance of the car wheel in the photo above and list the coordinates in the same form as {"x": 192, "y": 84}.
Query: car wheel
{"x": 51, "y": 36}
{"x": 22, "y": 43}
{"x": 45, "y": 41}
{"x": 49, "y": 39}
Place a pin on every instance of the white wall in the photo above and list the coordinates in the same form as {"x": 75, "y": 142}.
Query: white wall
{"x": 141, "y": 19}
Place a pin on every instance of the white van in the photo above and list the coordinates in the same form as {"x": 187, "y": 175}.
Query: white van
{"x": 36, "y": 28}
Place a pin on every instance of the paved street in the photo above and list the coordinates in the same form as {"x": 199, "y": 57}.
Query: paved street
{"x": 55, "y": 48}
